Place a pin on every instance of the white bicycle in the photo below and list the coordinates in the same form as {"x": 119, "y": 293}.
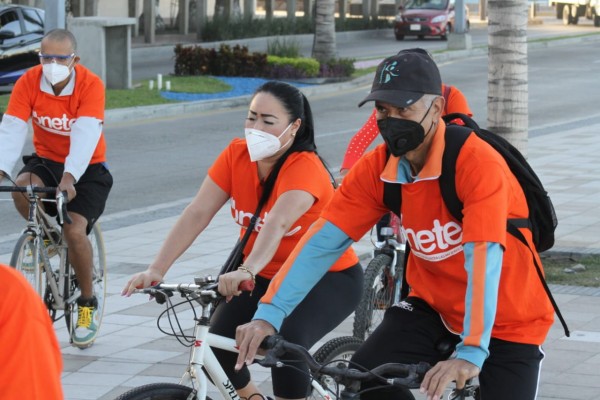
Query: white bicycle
{"x": 194, "y": 383}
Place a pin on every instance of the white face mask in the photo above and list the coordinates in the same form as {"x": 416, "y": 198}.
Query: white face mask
{"x": 263, "y": 145}
{"x": 55, "y": 73}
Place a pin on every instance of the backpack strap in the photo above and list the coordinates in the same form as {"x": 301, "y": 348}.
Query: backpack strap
{"x": 455, "y": 138}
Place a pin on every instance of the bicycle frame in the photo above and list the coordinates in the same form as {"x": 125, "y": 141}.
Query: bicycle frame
{"x": 202, "y": 356}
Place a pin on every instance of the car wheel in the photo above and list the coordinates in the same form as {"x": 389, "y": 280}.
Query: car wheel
{"x": 566, "y": 14}
{"x": 399, "y": 37}
{"x": 421, "y": 37}
{"x": 596, "y": 20}
{"x": 574, "y": 15}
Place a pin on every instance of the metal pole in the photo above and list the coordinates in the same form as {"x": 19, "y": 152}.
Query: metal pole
{"x": 54, "y": 15}
{"x": 459, "y": 16}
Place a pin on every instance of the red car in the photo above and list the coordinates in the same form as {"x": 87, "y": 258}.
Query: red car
{"x": 426, "y": 18}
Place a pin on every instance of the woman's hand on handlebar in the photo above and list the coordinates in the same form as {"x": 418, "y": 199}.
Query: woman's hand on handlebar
{"x": 141, "y": 280}
{"x": 248, "y": 338}
{"x": 229, "y": 283}
{"x": 443, "y": 373}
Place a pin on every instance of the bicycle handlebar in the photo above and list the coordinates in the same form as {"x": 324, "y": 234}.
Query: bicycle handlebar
{"x": 405, "y": 375}
{"x": 61, "y": 204}
{"x": 204, "y": 287}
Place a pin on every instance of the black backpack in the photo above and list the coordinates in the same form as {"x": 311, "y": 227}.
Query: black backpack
{"x": 542, "y": 218}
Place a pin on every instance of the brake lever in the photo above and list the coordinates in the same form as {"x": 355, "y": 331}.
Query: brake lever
{"x": 61, "y": 204}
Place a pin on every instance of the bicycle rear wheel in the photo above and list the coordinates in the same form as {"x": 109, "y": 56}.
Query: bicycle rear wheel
{"x": 159, "y": 391}
{"x": 26, "y": 259}
{"x": 337, "y": 350}
{"x": 378, "y": 295}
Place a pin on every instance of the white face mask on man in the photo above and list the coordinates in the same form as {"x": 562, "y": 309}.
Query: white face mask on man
{"x": 55, "y": 72}
{"x": 263, "y": 145}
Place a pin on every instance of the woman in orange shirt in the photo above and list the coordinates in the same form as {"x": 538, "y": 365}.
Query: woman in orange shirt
{"x": 279, "y": 144}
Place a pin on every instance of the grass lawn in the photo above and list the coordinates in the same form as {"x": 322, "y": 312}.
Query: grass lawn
{"x": 141, "y": 95}
{"x": 576, "y": 271}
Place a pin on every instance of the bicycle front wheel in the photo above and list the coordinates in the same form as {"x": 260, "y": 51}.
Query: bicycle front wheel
{"x": 335, "y": 351}
{"x": 378, "y": 295}
{"x": 159, "y": 391}
{"x": 26, "y": 259}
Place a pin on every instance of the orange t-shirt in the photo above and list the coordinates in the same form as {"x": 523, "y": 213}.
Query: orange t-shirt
{"x": 52, "y": 116}
{"x": 436, "y": 266}
{"x": 238, "y": 176}
{"x": 30, "y": 359}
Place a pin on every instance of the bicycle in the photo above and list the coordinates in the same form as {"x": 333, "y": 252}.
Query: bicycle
{"x": 382, "y": 279}
{"x": 203, "y": 364}
{"x": 41, "y": 255}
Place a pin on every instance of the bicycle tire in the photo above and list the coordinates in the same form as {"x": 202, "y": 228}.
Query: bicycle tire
{"x": 159, "y": 391}
{"x": 378, "y": 295}
{"x": 23, "y": 259}
{"x": 99, "y": 279}
{"x": 337, "y": 350}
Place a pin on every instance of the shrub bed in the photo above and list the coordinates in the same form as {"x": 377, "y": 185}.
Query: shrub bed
{"x": 238, "y": 61}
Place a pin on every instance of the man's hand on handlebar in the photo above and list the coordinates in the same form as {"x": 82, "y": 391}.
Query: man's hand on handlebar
{"x": 248, "y": 338}
{"x": 443, "y": 373}
{"x": 67, "y": 184}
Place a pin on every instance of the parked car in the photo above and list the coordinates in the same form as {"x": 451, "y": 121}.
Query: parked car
{"x": 426, "y": 18}
{"x": 21, "y": 33}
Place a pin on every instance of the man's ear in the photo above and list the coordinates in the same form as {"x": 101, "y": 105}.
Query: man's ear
{"x": 438, "y": 106}
{"x": 76, "y": 60}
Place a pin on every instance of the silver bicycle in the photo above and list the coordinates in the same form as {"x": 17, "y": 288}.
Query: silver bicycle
{"x": 41, "y": 255}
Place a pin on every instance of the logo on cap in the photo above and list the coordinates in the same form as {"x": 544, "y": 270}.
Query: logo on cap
{"x": 387, "y": 72}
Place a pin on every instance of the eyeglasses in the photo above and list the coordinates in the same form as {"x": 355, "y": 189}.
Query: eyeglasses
{"x": 59, "y": 59}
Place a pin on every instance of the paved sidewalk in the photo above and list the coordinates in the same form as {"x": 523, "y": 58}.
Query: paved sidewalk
{"x": 131, "y": 351}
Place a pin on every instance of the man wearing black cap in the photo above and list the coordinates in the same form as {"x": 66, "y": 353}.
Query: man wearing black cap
{"x": 459, "y": 316}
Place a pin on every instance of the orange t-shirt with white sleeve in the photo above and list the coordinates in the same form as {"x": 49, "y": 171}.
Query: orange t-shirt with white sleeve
{"x": 52, "y": 116}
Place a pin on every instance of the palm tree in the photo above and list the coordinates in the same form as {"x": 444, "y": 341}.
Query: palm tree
{"x": 324, "y": 48}
{"x": 507, "y": 71}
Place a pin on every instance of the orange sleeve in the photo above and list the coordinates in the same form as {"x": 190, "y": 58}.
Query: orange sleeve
{"x": 361, "y": 141}
{"x": 457, "y": 102}
{"x": 89, "y": 91}
{"x": 20, "y": 104}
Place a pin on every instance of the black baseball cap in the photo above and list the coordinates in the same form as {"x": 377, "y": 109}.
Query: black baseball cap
{"x": 404, "y": 78}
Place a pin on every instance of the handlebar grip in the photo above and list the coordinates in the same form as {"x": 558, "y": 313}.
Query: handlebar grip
{"x": 247, "y": 286}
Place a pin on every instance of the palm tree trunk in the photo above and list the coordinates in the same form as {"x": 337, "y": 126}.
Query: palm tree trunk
{"x": 324, "y": 48}
{"x": 507, "y": 71}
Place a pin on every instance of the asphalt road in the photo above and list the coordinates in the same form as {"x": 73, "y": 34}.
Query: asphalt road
{"x": 159, "y": 163}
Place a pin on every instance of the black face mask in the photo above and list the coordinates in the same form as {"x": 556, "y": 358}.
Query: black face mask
{"x": 402, "y": 135}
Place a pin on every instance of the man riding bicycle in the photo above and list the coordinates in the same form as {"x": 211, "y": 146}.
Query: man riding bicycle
{"x": 476, "y": 306}
{"x": 65, "y": 102}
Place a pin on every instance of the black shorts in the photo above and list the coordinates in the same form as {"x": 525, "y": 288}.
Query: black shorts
{"x": 92, "y": 187}
{"x": 412, "y": 331}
